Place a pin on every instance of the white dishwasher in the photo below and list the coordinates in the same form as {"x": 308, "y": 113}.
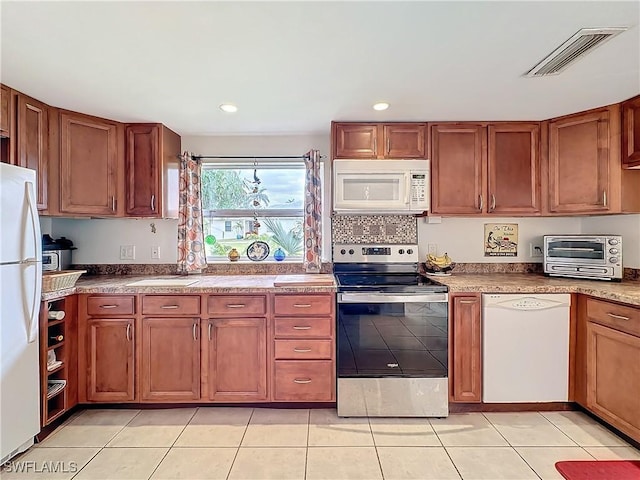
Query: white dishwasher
{"x": 525, "y": 347}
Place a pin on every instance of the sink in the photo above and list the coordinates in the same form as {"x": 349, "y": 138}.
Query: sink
{"x": 164, "y": 282}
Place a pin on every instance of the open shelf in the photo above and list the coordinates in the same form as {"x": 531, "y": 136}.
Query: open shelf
{"x": 53, "y": 405}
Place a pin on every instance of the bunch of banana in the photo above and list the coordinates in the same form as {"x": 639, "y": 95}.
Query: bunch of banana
{"x": 439, "y": 263}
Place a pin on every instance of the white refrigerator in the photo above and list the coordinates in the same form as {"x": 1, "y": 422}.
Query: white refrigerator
{"x": 20, "y": 291}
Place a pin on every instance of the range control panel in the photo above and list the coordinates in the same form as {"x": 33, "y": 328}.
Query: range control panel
{"x": 354, "y": 253}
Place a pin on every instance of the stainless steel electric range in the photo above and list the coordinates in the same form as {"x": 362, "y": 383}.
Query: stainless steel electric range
{"x": 392, "y": 331}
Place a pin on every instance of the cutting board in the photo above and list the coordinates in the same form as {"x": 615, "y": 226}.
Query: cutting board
{"x": 320, "y": 280}
{"x": 163, "y": 282}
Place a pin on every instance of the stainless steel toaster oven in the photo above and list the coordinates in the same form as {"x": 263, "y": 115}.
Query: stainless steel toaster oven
{"x": 583, "y": 256}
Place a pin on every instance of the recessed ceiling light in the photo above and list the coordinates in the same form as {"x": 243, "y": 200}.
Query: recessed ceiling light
{"x": 228, "y": 107}
{"x": 381, "y": 106}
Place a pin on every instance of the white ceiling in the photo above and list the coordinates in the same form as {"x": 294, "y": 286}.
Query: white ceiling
{"x": 292, "y": 67}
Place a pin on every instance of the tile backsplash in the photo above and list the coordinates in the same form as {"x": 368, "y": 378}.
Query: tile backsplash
{"x": 374, "y": 229}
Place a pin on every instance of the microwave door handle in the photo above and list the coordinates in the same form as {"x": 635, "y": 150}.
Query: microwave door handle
{"x": 407, "y": 187}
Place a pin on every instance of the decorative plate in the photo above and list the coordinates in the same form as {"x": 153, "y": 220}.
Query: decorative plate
{"x": 258, "y": 251}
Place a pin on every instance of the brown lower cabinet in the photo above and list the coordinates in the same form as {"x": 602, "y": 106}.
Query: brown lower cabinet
{"x": 207, "y": 348}
{"x": 111, "y": 372}
{"x": 236, "y": 359}
{"x": 465, "y": 349}
{"x": 170, "y": 363}
{"x": 613, "y": 364}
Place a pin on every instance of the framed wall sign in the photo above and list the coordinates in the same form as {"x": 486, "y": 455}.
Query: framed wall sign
{"x": 500, "y": 239}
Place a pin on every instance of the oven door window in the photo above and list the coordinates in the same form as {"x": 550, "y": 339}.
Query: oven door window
{"x": 582, "y": 250}
{"x": 392, "y": 340}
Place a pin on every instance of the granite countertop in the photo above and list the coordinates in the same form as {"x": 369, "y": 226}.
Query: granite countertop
{"x": 625, "y": 292}
{"x": 203, "y": 284}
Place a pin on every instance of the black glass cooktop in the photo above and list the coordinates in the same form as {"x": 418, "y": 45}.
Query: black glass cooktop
{"x": 387, "y": 282}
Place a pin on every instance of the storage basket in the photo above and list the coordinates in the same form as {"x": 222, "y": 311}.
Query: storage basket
{"x": 52, "y": 281}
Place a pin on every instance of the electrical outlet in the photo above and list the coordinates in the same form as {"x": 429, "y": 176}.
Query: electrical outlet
{"x": 155, "y": 252}
{"x": 127, "y": 252}
{"x": 432, "y": 249}
{"x": 535, "y": 251}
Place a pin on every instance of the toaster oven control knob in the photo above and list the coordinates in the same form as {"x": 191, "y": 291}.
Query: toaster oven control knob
{"x": 351, "y": 252}
{"x": 401, "y": 251}
{"x": 409, "y": 251}
{"x": 613, "y": 241}
{"x": 613, "y": 260}
{"x": 613, "y": 251}
{"x": 343, "y": 251}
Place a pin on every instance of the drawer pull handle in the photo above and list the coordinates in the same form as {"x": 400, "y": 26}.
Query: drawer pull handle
{"x": 170, "y": 307}
{"x": 302, "y": 305}
{"x": 467, "y": 301}
{"x": 618, "y": 317}
{"x": 301, "y": 380}
{"x": 236, "y": 305}
{"x": 306, "y": 327}
{"x": 108, "y": 306}
{"x": 302, "y": 350}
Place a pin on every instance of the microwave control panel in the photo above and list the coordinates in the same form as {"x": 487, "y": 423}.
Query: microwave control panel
{"x": 418, "y": 188}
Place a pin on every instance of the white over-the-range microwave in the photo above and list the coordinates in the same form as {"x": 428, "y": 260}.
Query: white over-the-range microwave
{"x": 380, "y": 186}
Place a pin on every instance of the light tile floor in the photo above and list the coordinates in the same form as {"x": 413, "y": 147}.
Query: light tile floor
{"x": 252, "y": 444}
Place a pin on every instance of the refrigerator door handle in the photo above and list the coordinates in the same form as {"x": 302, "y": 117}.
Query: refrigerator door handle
{"x": 37, "y": 288}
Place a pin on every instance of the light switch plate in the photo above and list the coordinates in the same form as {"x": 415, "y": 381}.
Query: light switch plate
{"x": 155, "y": 252}
{"x": 127, "y": 252}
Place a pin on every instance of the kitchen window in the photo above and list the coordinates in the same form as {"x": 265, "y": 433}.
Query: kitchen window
{"x": 245, "y": 202}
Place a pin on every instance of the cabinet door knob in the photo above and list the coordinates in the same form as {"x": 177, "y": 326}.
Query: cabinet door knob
{"x": 480, "y": 202}
{"x": 195, "y": 330}
{"x": 493, "y": 202}
{"x": 153, "y": 203}
{"x": 209, "y": 332}
{"x": 128, "y": 332}
{"x": 604, "y": 198}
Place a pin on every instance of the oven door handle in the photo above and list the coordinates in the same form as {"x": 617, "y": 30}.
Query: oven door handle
{"x": 392, "y": 298}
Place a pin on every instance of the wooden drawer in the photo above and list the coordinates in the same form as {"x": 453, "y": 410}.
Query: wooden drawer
{"x": 238, "y": 305}
{"x": 303, "y": 349}
{"x": 619, "y": 317}
{"x": 110, "y": 305}
{"x": 303, "y": 327}
{"x": 310, "y": 380}
{"x": 175, "y": 305}
{"x": 303, "y": 304}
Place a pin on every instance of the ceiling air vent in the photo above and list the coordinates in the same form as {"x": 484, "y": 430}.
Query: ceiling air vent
{"x": 582, "y": 42}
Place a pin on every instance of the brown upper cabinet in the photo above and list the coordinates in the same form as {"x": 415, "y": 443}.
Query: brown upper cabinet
{"x": 631, "y": 133}
{"x": 89, "y": 161}
{"x": 478, "y": 169}
{"x": 579, "y": 163}
{"x": 32, "y": 143}
{"x": 585, "y": 174}
{"x": 151, "y": 170}
{"x": 379, "y": 140}
{"x": 5, "y": 111}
